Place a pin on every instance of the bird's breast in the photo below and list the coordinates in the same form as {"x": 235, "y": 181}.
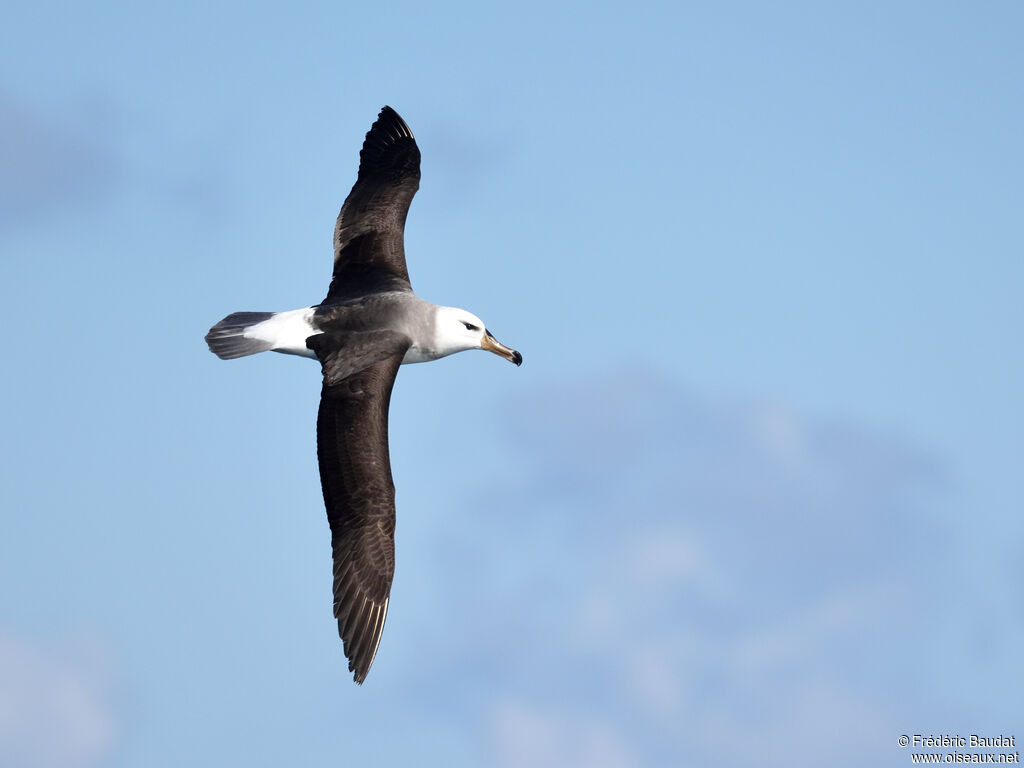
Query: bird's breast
{"x": 417, "y": 354}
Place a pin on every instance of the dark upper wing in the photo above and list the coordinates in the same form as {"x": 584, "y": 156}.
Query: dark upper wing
{"x": 355, "y": 472}
{"x": 369, "y": 244}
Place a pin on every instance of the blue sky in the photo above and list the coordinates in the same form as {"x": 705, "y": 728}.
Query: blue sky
{"x": 753, "y": 498}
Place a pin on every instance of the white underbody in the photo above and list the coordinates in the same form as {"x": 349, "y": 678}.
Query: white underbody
{"x": 287, "y": 333}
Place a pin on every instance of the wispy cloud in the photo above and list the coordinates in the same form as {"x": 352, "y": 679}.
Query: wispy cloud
{"x": 697, "y": 581}
{"x": 55, "y": 707}
{"x": 52, "y": 165}
{"x": 46, "y": 166}
{"x": 547, "y": 738}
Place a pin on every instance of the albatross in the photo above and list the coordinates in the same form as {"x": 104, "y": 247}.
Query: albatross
{"x": 369, "y": 324}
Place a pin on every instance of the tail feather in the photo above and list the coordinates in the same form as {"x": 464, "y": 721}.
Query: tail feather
{"x": 227, "y": 339}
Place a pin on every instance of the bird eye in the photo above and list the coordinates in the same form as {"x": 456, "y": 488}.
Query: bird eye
{"x": 470, "y": 326}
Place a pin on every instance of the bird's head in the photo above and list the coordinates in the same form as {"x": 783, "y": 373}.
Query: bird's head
{"x": 459, "y": 330}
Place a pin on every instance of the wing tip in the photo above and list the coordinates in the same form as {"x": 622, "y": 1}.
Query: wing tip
{"x": 389, "y": 117}
{"x": 390, "y": 147}
{"x": 362, "y": 643}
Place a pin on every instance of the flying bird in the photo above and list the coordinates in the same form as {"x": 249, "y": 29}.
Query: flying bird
{"x": 369, "y": 324}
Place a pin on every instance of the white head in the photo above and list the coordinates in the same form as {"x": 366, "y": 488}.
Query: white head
{"x": 457, "y": 330}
